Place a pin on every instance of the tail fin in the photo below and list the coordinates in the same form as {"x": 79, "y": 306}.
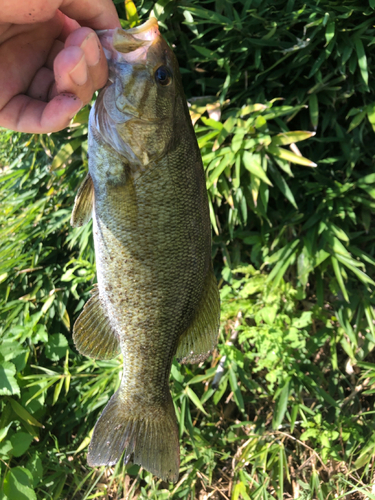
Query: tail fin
{"x": 152, "y": 436}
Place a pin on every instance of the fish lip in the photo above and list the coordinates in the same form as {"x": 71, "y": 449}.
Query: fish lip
{"x": 130, "y": 45}
{"x": 133, "y": 31}
{"x": 143, "y": 27}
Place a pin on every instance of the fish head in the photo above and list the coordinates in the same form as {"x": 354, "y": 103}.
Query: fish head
{"x": 135, "y": 112}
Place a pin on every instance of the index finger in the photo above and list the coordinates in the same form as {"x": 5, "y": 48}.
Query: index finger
{"x": 96, "y": 14}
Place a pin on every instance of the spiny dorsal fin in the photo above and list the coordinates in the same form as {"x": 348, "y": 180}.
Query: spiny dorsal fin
{"x": 83, "y": 203}
{"x": 93, "y": 334}
{"x": 200, "y": 338}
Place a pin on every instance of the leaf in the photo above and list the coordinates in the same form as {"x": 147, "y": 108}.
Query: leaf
{"x": 253, "y": 163}
{"x": 65, "y": 153}
{"x": 236, "y": 389}
{"x": 194, "y": 398}
{"x": 48, "y": 303}
{"x": 35, "y": 466}
{"x": 20, "y": 443}
{"x": 227, "y": 129}
{"x": 286, "y": 138}
{"x": 215, "y": 174}
{"x": 4, "y": 431}
{"x": 24, "y": 414}
{"x": 18, "y": 484}
{"x": 8, "y": 383}
{"x": 85, "y": 442}
{"x": 214, "y": 17}
{"x": 362, "y": 59}
{"x": 281, "y": 405}
{"x": 330, "y": 31}
{"x": 282, "y": 185}
{"x": 340, "y": 281}
{"x": 221, "y": 389}
{"x": 288, "y": 155}
{"x": 314, "y": 110}
{"x": 131, "y": 13}
{"x": 56, "y": 347}
{"x": 357, "y": 120}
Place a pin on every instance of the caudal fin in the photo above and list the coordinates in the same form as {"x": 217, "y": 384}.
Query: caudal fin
{"x": 152, "y": 436}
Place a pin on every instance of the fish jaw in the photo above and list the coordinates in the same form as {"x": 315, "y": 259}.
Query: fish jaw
{"x": 129, "y": 46}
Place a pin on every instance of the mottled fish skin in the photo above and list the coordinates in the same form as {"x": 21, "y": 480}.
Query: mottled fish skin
{"x": 152, "y": 239}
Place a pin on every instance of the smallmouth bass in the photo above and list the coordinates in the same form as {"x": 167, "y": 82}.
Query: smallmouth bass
{"x": 156, "y": 296}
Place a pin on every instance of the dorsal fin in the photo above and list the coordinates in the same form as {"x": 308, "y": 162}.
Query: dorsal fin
{"x": 93, "y": 334}
{"x": 200, "y": 338}
{"x": 83, "y": 203}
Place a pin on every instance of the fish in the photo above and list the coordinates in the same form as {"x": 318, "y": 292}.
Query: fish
{"x": 156, "y": 295}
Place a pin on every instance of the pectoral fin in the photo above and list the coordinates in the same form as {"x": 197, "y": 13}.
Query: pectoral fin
{"x": 200, "y": 338}
{"x": 93, "y": 334}
{"x": 83, "y": 203}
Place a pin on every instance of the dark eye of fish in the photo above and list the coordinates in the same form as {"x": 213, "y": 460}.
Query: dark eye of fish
{"x": 163, "y": 76}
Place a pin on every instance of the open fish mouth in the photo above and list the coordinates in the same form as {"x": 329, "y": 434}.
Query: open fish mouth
{"x": 130, "y": 45}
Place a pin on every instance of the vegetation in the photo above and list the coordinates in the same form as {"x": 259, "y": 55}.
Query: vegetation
{"x": 284, "y": 408}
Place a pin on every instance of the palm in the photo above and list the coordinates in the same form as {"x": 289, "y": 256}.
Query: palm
{"x": 50, "y": 68}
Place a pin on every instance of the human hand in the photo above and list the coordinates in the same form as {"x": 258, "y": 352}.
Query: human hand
{"x": 50, "y": 65}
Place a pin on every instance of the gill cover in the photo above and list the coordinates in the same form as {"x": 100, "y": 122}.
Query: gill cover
{"x": 134, "y": 112}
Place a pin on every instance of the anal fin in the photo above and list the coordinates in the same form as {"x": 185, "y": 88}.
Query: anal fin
{"x": 199, "y": 340}
{"x": 83, "y": 203}
{"x": 93, "y": 334}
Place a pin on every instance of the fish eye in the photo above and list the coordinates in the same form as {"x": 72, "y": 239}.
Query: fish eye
{"x": 163, "y": 76}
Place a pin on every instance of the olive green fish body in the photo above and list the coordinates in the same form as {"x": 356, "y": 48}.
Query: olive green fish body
{"x": 156, "y": 291}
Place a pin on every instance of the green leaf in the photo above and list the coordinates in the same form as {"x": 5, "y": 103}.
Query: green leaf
{"x": 290, "y": 156}
{"x": 236, "y": 390}
{"x": 20, "y": 443}
{"x": 282, "y": 185}
{"x": 219, "y": 393}
{"x": 281, "y": 405}
{"x": 330, "y": 31}
{"x": 35, "y": 466}
{"x": 4, "y": 431}
{"x": 340, "y": 281}
{"x": 8, "y": 383}
{"x": 253, "y": 163}
{"x": 18, "y": 484}
{"x": 357, "y": 120}
{"x": 286, "y": 138}
{"x": 214, "y": 17}
{"x": 314, "y": 110}
{"x": 195, "y": 400}
{"x": 362, "y": 59}
{"x": 56, "y": 347}
{"x": 24, "y": 414}
{"x": 65, "y": 153}
{"x": 215, "y": 174}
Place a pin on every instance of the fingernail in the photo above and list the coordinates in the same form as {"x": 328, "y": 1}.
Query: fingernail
{"x": 79, "y": 72}
{"x": 90, "y": 46}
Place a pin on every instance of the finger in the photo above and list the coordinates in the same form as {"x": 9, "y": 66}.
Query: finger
{"x": 81, "y": 68}
{"x": 24, "y": 114}
{"x": 97, "y": 14}
{"x": 41, "y": 84}
{"x": 55, "y": 49}
{"x": 94, "y": 55}
{"x": 72, "y": 74}
{"x": 32, "y": 11}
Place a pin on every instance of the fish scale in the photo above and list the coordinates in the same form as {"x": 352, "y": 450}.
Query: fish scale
{"x": 156, "y": 295}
